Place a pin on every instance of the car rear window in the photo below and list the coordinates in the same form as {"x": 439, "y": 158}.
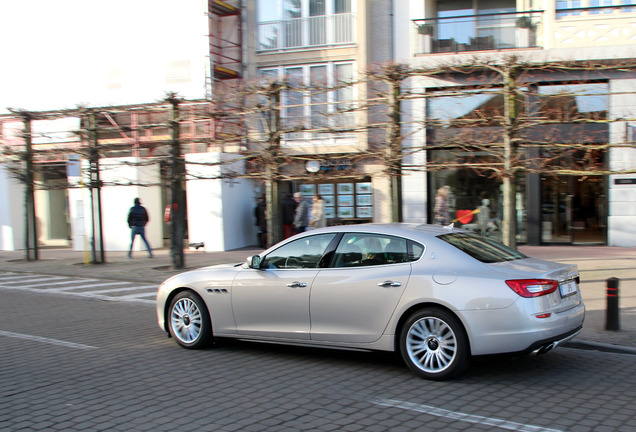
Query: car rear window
{"x": 481, "y": 248}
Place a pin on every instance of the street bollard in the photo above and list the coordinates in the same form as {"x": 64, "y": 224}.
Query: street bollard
{"x": 611, "y": 317}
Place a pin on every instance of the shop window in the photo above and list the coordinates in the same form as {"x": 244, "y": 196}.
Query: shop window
{"x": 345, "y": 202}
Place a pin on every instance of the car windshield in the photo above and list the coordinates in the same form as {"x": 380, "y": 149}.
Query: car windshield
{"x": 482, "y": 248}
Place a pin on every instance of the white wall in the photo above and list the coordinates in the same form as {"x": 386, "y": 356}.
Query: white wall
{"x": 116, "y": 202}
{"x": 11, "y": 212}
{"x": 220, "y": 212}
{"x": 414, "y": 185}
{"x": 621, "y": 230}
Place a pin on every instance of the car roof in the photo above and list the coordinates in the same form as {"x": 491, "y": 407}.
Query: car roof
{"x": 410, "y": 230}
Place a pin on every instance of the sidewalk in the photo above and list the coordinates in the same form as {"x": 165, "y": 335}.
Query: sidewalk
{"x": 596, "y": 264}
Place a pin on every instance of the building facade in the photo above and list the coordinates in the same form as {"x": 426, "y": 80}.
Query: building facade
{"x": 594, "y": 208}
{"x": 319, "y": 46}
{"x": 314, "y": 45}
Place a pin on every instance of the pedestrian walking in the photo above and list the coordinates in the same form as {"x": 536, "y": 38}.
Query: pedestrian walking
{"x": 301, "y": 219}
{"x": 137, "y": 220}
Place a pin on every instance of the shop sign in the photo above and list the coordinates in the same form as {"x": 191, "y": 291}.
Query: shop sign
{"x": 328, "y": 165}
{"x": 625, "y": 181}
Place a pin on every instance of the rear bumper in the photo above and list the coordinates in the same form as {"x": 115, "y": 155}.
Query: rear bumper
{"x": 511, "y": 331}
{"x": 545, "y": 346}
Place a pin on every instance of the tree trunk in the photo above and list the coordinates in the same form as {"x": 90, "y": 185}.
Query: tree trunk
{"x": 30, "y": 225}
{"x": 96, "y": 194}
{"x": 176, "y": 188}
{"x": 395, "y": 151}
{"x": 273, "y": 216}
{"x": 509, "y": 228}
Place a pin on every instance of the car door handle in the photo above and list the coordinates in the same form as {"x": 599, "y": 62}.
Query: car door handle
{"x": 297, "y": 285}
{"x": 388, "y": 284}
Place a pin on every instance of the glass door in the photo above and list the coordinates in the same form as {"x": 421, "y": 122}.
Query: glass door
{"x": 589, "y": 216}
{"x": 573, "y": 210}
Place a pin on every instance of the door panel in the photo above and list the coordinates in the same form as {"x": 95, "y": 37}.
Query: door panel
{"x": 273, "y": 303}
{"x": 348, "y": 305}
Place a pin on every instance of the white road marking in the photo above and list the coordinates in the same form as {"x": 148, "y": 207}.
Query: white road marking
{"x": 30, "y": 279}
{"x": 71, "y": 286}
{"x": 140, "y": 287}
{"x": 48, "y": 283}
{"x": 78, "y": 287}
{"x": 46, "y": 340}
{"x": 455, "y": 415}
{"x": 138, "y": 296}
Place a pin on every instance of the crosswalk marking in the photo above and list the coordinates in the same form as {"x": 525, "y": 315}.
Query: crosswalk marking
{"x": 134, "y": 288}
{"x": 48, "y": 283}
{"x": 79, "y": 287}
{"x": 101, "y": 289}
{"x": 34, "y": 278}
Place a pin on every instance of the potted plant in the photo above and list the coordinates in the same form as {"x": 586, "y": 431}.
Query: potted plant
{"x": 524, "y": 30}
{"x": 524, "y": 22}
{"x": 425, "y": 29}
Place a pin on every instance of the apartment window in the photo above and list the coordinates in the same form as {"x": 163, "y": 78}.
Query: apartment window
{"x": 596, "y": 3}
{"x": 475, "y": 25}
{"x": 563, "y": 6}
{"x": 312, "y": 108}
{"x": 288, "y": 24}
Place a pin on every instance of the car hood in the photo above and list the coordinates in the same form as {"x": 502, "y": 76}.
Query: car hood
{"x": 220, "y": 266}
{"x": 217, "y": 272}
{"x": 535, "y": 268}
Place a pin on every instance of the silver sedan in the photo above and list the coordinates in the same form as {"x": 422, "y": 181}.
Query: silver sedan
{"x": 437, "y": 295}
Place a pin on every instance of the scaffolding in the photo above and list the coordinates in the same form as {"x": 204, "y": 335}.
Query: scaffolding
{"x": 225, "y": 40}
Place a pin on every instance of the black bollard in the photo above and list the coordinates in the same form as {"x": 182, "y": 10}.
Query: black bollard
{"x": 611, "y": 317}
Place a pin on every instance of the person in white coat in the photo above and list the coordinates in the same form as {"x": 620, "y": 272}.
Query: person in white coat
{"x": 318, "y": 217}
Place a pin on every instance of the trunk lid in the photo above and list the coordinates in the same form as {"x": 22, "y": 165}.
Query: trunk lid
{"x": 566, "y": 296}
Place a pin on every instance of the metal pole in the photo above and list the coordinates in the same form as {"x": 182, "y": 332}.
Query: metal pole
{"x": 91, "y": 172}
{"x": 611, "y": 316}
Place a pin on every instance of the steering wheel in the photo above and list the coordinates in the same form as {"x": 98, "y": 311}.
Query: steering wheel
{"x": 293, "y": 262}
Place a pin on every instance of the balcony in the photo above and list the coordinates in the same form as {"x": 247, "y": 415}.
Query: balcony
{"x": 317, "y": 31}
{"x": 595, "y": 26}
{"x": 477, "y": 32}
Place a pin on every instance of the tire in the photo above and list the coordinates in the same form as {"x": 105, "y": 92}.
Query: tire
{"x": 189, "y": 321}
{"x": 434, "y": 345}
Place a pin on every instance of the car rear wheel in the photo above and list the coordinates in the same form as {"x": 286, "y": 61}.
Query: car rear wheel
{"x": 190, "y": 321}
{"x": 434, "y": 345}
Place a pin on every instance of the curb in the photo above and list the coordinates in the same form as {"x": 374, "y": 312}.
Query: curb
{"x": 600, "y": 346}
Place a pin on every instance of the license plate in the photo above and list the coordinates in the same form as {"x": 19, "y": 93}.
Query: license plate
{"x": 568, "y": 288}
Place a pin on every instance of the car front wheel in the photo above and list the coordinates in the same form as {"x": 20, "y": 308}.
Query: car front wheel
{"x": 434, "y": 344}
{"x": 190, "y": 321}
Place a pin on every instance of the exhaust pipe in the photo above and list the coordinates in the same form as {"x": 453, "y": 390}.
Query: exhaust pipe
{"x": 544, "y": 349}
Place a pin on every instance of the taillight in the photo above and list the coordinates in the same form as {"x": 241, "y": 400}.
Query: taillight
{"x": 533, "y": 287}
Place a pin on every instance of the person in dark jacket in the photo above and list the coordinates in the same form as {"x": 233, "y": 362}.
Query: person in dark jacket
{"x": 260, "y": 212}
{"x": 289, "y": 212}
{"x": 301, "y": 219}
{"x": 137, "y": 220}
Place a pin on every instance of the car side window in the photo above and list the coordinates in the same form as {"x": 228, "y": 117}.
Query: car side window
{"x": 298, "y": 254}
{"x": 415, "y": 251}
{"x": 356, "y": 249}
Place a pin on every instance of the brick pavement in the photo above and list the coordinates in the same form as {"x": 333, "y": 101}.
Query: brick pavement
{"x": 136, "y": 379}
{"x": 596, "y": 264}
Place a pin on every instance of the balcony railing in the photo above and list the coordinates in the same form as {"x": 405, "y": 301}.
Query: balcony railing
{"x": 626, "y": 7}
{"x": 478, "y": 32}
{"x": 306, "y": 32}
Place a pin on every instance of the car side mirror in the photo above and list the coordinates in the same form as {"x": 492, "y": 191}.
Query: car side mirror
{"x": 254, "y": 262}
